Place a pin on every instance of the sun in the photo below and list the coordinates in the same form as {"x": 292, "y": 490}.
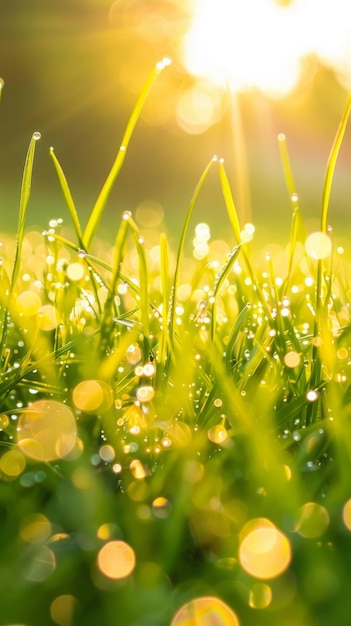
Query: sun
{"x": 261, "y": 43}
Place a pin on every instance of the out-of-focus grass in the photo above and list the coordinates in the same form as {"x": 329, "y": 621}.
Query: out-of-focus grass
{"x": 175, "y": 433}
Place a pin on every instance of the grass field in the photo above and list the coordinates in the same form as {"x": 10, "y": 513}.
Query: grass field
{"x": 175, "y": 421}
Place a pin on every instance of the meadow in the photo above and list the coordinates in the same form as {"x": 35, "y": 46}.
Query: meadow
{"x": 175, "y": 423}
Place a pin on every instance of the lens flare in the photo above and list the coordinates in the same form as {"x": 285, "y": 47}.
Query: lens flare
{"x": 262, "y": 43}
{"x": 206, "y": 611}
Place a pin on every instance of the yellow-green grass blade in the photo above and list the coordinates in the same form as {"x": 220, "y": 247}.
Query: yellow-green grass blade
{"x": 166, "y": 288}
{"x": 143, "y": 278}
{"x": 285, "y": 159}
{"x": 331, "y": 165}
{"x": 68, "y": 196}
{"x": 104, "y": 194}
{"x": 24, "y": 201}
{"x": 229, "y": 202}
{"x": 182, "y": 244}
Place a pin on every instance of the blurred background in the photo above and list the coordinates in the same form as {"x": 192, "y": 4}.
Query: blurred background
{"x": 241, "y": 73}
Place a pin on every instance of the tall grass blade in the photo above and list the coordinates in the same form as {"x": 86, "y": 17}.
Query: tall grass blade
{"x": 24, "y": 200}
{"x": 182, "y": 244}
{"x": 331, "y": 165}
{"x": 166, "y": 288}
{"x": 229, "y": 202}
{"x": 285, "y": 159}
{"x": 104, "y": 194}
{"x": 68, "y": 197}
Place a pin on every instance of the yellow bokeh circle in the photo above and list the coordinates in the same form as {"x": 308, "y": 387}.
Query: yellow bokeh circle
{"x": 318, "y": 246}
{"x": 28, "y": 303}
{"x": 47, "y": 431}
{"x": 206, "y": 611}
{"x": 116, "y": 560}
{"x": 91, "y": 396}
{"x": 313, "y": 520}
{"x": 264, "y": 551}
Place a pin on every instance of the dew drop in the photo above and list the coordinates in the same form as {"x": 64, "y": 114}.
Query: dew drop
{"x": 82, "y": 254}
{"x": 2, "y": 83}
{"x": 36, "y": 136}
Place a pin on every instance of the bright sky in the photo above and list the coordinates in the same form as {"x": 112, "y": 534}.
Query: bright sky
{"x": 261, "y": 43}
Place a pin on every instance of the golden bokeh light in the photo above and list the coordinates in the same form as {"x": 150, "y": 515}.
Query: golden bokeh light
{"x": 199, "y": 107}
{"x": 75, "y": 271}
{"x": 35, "y": 528}
{"x": 12, "y": 464}
{"x": 47, "y": 431}
{"x": 313, "y": 520}
{"x": 62, "y": 610}
{"x": 137, "y": 469}
{"x": 206, "y": 611}
{"x": 91, "y": 396}
{"x": 48, "y": 317}
{"x": 28, "y": 303}
{"x": 264, "y": 551}
{"x": 116, "y": 560}
{"x": 346, "y": 514}
{"x": 318, "y": 246}
{"x": 260, "y": 596}
{"x": 292, "y": 359}
{"x": 217, "y": 434}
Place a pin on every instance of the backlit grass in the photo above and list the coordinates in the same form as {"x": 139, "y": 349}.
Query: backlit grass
{"x": 175, "y": 425}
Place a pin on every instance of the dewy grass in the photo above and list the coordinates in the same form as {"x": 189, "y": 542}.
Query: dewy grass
{"x": 175, "y": 432}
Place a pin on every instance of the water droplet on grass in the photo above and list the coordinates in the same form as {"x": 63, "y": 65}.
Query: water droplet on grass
{"x": 36, "y": 136}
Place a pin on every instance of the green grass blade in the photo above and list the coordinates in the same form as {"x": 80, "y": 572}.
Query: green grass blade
{"x": 2, "y": 83}
{"x": 24, "y": 200}
{"x": 104, "y": 194}
{"x": 165, "y": 285}
{"x": 143, "y": 279}
{"x": 285, "y": 159}
{"x": 331, "y": 166}
{"x": 68, "y": 197}
{"x": 229, "y": 202}
{"x": 182, "y": 243}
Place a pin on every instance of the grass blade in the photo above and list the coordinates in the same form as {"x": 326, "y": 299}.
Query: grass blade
{"x": 68, "y": 197}
{"x": 229, "y": 202}
{"x": 24, "y": 200}
{"x": 104, "y": 194}
{"x": 285, "y": 159}
{"x": 331, "y": 165}
{"x": 182, "y": 244}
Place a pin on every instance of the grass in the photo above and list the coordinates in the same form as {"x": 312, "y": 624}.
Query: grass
{"x": 175, "y": 428}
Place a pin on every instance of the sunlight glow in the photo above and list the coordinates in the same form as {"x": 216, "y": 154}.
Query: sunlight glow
{"x": 262, "y": 43}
